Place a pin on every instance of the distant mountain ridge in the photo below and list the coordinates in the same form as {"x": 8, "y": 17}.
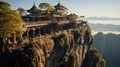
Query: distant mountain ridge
{"x": 105, "y": 27}
{"x": 101, "y": 18}
{"x": 109, "y": 47}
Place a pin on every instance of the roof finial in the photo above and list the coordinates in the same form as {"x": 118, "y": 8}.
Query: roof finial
{"x": 34, "y": 3}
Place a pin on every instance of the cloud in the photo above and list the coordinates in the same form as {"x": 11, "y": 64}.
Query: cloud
{"x": 101, "y": 18}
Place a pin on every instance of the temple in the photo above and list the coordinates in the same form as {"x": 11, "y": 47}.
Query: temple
{"x": 60, "y": 9}
{"x": 40, "y": 23}
{"x": 37, "y": 15}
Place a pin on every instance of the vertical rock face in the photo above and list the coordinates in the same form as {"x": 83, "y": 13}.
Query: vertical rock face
{"x": 70, "y": 49}
{"x": 27, "y": 55}
{"x": 66, "y": 50}
{"x": 64, "y": 46}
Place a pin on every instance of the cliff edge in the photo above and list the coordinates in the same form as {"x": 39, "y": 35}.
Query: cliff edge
{"x": 69, "y": 49}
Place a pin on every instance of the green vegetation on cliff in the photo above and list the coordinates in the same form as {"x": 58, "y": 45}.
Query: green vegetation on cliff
{"x": 47, "y": 7}
{"x": 10, "y": 24}
{"x": 64, "y": 51}
{"x": 10, "y": 21}
{"x": 68, "y": 49}
{"x": 94, "y": 58}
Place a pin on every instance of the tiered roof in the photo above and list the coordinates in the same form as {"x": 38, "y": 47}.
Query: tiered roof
{"x": 34, "y": 9}
{"x": 35, "y": 12}
{"x": 60, "y": 7}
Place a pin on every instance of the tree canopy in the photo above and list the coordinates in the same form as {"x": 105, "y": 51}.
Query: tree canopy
{"x": 82, "y": 16}
{"x": 4, "y": 5}
{"x": 73, "y": 16}
{"x": 21, "y": 11}
{"x": 10, "y": 21}
{"x": 97, "y": 57}
{"x": 47, "y": 7}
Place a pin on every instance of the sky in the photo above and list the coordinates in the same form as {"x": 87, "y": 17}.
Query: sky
{"x": 88, "y": 8}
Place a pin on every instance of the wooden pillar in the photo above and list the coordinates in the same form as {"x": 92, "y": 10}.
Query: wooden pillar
{"x": 27, "y": 36}
{"x": 32, "y": 35}
{"x": 33, "y": 32}
{"x": 27, "y": 33}
{"x": 39, "y": 31}
{"x": 45, "y": 32}
{"x": 14, "y": 38}
{"x": 20, "y": 39}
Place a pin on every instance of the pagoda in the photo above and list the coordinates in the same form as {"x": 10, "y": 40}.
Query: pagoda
{"x": 37, "y": 15}
{"x": 34, "y": 10}
{"x": 60, "y": 9}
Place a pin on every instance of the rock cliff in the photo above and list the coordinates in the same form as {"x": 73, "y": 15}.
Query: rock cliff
{"x": 69, "y": 49}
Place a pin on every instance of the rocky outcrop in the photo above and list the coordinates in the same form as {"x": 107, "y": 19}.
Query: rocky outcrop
{"x": 65, "y": 50}
{"x": 94, "y": 59}
{"x": 27, "y": 55}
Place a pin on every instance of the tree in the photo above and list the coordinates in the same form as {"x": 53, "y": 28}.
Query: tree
{"x": 72, "y": 16}
{"x": 4, "y": 5}
{"x": 82, "y": 17}
{"x": 21, "y": 11}
{"x": 47, "y": 7}
{"x": 10, "y": 23}
{"x": 97, "y": 58}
